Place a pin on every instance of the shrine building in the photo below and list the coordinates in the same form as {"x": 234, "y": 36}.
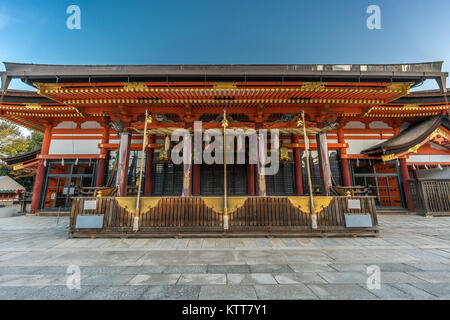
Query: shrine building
{"x": 369, "y": 136}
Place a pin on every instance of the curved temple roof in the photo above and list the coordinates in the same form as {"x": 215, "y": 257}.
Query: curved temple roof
{"x": 409, "y": 140}
{"x": 415, "y": 72}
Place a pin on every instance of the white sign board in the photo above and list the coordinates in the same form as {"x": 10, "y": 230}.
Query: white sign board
{"x": 90, "y": 205}
{"x": 354, "y": 204}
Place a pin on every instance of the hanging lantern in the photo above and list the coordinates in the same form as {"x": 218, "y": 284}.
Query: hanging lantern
{"x": 164, "y": 151}
{"x": 284, "y": 155}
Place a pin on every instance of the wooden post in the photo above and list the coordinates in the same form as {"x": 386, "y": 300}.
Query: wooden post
{"x": 196, "y": 181}
{"x": 298, "y": 166}
{"x": 187, "y": 167}
{"x": 124, "y": 157}
{"x": 405, "y": 176}
{"x": 324, "y": 162}
{"x": 345, "y": 170}
{"x": 251, "y": 179}
{"x": 40, "y": 172}
{"x": 149, "y": 168}
{"x": 102, "y": 162}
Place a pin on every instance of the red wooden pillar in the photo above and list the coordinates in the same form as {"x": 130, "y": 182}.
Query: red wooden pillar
{"x": 124, "y": 157}
{"x": 196, "y": 183}
{"x": 102, "y": 162}
{"x": 405, "y": 176}
{"x": 149, "y": 168}
{"x": 251, "y": 179}
{"x": 40, "y": 172}
{"x": 298, "y": 166}
{"x": 345, "y": 170}
{"x": 324, "y": 162}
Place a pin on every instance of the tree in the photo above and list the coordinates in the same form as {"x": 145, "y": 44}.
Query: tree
{"x": 35, "y": 140}
{"x": 12, "y": 141}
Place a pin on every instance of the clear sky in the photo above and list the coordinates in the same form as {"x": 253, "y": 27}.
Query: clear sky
{"x": 224, "y": 32}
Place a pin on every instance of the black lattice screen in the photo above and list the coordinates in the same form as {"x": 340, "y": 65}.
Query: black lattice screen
{"x": 211, "y": 182}
{"x": 282, "y": 183}
{"x": 167, "y": 179}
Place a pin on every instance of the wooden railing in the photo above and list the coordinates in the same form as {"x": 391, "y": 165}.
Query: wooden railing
{"x": 431, "y": 197}
{"x": 193, "y": 215}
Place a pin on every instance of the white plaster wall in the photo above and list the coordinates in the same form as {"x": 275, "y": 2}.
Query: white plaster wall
{"x": 428, "y": 158}
{"x": 379, "y": 125}
{"x": 66, "y": 125}
{"x": 91, "y": 125}
{"x": 355, "y": 125}
{"x": 74, "y": 147}
{"x": 356, "y": 146}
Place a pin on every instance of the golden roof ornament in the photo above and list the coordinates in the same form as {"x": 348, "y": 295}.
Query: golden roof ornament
{"x": 224, "y": 120}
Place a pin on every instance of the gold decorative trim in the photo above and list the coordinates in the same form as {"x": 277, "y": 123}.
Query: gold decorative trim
{"x": 284, "y": 154}
{"x": 313, "y": 86}
{"x": 440, "y": 132}
{"x": 218, "y": 85}
{"x": 401, "y": 87}
{"x": 135, "y": 86}
{"x": 415, "y": 148}
{"x": 411, "y": 107}
{"x": 18, "y": 166}
{"x": 44, "y": 88}
{"x": 129, "y": 203}
{"x": 216, "y": 203}
{"x": 388, "y": 157}
{"x": 34, "y": 106}
{"x": 224, "y": 85}
{"x": 223, "y": 101}
{"x": 303, "y": 203}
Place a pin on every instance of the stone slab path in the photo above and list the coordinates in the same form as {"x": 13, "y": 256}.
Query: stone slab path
{"x": 412, "y": 253}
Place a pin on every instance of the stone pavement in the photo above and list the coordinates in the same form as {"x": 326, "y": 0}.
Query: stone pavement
{"x": 412, "y": 252}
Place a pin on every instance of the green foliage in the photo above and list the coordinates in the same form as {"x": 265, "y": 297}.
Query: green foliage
{"x": 13, "y": 142}
{"x": 35, "y": 140}
{"x": 4, "y": 170}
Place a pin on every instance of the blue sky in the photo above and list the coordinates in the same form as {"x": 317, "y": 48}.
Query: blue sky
{"x": 216, "y": 32}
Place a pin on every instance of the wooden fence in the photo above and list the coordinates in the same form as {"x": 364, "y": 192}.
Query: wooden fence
{"x": 431, "y": 197}
{"x": 192, "y": 216}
